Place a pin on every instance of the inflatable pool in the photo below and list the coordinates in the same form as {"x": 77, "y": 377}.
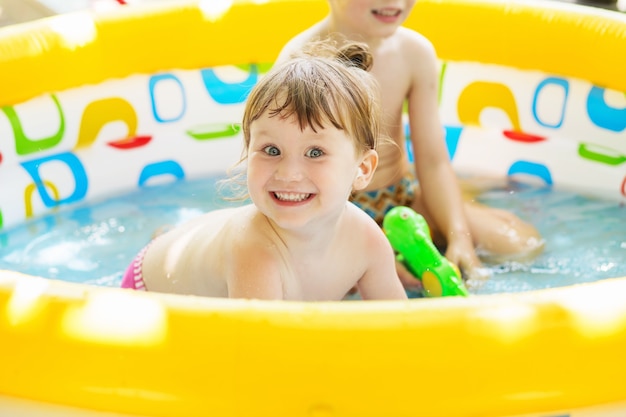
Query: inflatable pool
{"x": 97, "y": 105}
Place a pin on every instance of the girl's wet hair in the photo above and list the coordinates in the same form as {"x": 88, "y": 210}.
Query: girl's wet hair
{"x": 321, "y": 85}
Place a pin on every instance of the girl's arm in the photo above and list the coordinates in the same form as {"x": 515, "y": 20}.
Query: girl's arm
{"x": 440, "y": 190}
{"x": 380, "y": 281}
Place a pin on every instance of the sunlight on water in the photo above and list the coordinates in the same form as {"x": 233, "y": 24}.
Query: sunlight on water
{"x": 93, "y": 244}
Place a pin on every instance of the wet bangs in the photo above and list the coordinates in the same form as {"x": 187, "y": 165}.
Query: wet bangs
{"x": 306, "y": 92}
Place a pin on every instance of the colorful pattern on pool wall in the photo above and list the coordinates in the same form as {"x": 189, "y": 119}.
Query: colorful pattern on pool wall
{"x": 87, "y": 131}
{"x": 177, "y": 112}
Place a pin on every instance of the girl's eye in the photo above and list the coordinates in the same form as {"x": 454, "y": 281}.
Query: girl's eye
{"x": 314, "y": 153}
{"x": 271, "y": 150}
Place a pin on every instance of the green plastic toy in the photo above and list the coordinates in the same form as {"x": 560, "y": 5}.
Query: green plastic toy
{"x": 409, "y": 235}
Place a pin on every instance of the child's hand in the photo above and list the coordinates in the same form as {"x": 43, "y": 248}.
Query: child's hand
{"x": 475, "y": 278}
{"x": 462, "y": 253}
{"x": 409, "y": 281}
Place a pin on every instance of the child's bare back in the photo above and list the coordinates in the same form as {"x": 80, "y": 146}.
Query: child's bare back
{"x": 221, "y": 253}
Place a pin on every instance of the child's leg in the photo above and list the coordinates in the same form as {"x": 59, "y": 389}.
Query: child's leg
{"x": 500, "y": 235}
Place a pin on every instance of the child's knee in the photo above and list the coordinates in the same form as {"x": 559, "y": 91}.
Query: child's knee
{"x": 499, "y": 233}
{"x": 506, "y": 242}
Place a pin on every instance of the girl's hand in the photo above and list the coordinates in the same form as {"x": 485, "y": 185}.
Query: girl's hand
{"x": 461, "y": 252}
{"x": 409, "y": 281}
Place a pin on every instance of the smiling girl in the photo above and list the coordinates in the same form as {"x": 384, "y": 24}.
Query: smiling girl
{"x": 310, "y": 128}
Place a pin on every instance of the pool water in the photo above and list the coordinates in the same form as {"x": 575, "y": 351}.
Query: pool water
{"x": 585, "y": 239}
{"x": 93, "y": 244}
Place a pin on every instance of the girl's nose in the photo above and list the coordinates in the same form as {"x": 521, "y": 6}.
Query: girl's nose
{"x": 288, "y": 169}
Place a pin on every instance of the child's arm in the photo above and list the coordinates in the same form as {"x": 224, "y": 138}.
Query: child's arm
{"x": 380, "y": 281}
{"x": 440, "y": 190}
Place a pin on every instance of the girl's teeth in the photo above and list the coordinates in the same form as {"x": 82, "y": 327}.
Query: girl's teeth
{"x": 291, "y": 196}
{"x": 387, "y": 13}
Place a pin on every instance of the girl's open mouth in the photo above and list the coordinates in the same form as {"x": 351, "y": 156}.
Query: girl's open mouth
{"x": 387, "y": 12}
{"x": 291, "y": 197}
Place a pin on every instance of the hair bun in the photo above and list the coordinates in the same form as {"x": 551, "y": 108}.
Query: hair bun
{"x": 357, "y": 54}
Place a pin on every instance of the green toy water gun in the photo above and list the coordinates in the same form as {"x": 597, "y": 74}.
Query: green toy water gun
{"x": 409, "y": 235}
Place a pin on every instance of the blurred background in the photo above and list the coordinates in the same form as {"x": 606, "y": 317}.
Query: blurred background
{"x": 16, "y": 11}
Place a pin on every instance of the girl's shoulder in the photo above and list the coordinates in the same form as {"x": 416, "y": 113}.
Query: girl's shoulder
{"x": 414, "y": 41}
{"x": 360, "y": 221}
{"x": 367, "y": 234}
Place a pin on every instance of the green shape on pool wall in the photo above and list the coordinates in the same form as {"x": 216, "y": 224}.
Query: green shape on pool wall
{"x": 214, "y": 131}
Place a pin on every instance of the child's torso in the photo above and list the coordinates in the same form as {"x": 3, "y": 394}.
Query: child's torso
{"x": 194, "y": 259}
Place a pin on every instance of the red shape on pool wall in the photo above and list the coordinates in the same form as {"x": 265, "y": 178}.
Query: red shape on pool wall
{"x": 522, "y": 137}
{"x": 624, "y": 187}
{"x": 0, "y": 157}
{"x": 131, "y": 142}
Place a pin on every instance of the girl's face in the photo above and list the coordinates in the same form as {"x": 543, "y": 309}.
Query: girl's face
{"x": 298, "y": 176}
{"x": 369, "y": 18}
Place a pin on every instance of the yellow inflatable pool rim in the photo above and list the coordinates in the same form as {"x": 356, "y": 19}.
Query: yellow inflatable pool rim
{"x": 73, "y": 349}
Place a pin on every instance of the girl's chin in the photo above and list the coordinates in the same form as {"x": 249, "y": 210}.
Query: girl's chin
{"x": 294, "y": 225}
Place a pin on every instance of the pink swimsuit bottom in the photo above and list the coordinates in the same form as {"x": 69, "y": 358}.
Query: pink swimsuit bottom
{"x": 133, "y": 277}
